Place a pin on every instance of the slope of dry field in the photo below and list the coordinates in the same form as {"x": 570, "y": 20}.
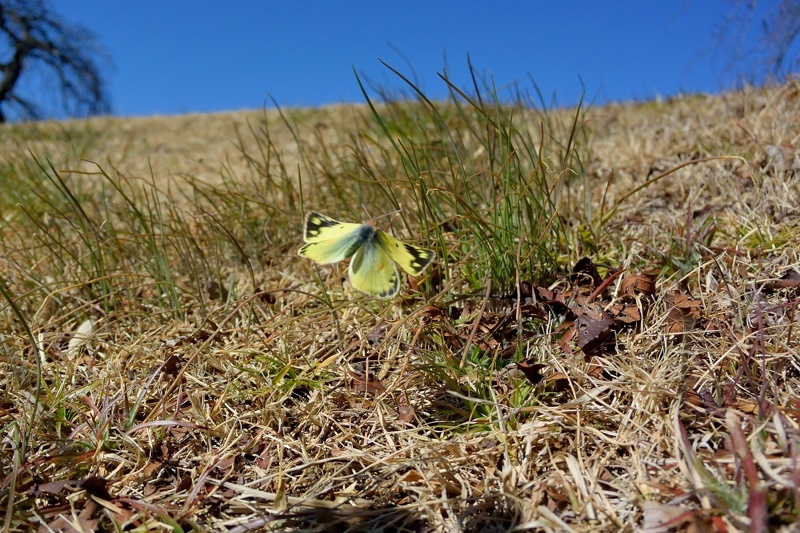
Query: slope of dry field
{"x": 168, "y": 362}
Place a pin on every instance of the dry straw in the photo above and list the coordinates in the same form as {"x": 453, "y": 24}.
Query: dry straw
{"x": 167, "y": 362}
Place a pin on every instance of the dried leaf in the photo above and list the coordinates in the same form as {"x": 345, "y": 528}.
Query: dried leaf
{"x": 675, "y": 323}
{"x": 378, "y": 333}
{"x": 684, "y": 311}
{"x": 82, "y": 335}
{"x": 558, "y": 382}
{"x": 265, "y": 297}
{"x": 405, "y": 413}
{"x": 585, "y": 274}
{"x": 595, "y": 369}
{"x": 53, "y": 487}
{"x": 627, "y": 313}
{"x": 412, "y": 476}
{"x": 413, "y": 283}
{"x": 661, "y": 518}
{"x": 591, "y": 333}
{"x": 226, "y": 463}
{"x": 185, "y": 484}
{"x": 96, "y": 486}
{"x": 172, "y": 365}
{"x": 790, "y": 280}
{"x": 265, "y": 459}
{"x": 746, "y": 406}
{"x": 151, "y": 467}
{"x": 683, "y": 301}
{"x": 551, "y": 301}
{"x": 642, "y": 283}
{"x": 703, "y": 400}
{"x": 532, "y": 371}
{"x": 84, "y": 521}
{"x": 569, "y": 335}
{"x": 367, "y": 383}
{"x": 216, "y": 291}
{"x": 430, "y": 313}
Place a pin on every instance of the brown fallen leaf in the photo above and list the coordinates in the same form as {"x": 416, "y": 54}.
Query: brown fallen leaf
{"x": 366, "y": 383}
{"x": 84, "y": 521}
{"x": 552, "y": 301}
{"x": 96, "y": 486}
{"x": 789, "y": 280}
{"x": 584, "y": 274}
{"x": 413, "y": 283}
{"x": 52, "y": 487}
{"x": 642, "y": 283}
{"x": 592, "y": 332}
{"x": 745, "y": 406}
{"x": 626, "y": 313}
{"x": 675, "y": 322}
{"x": 265, "y": 297}
{"x": 683, "y": 312}
{"x": 532, "y": 371}
{"x": 558, "y": 382}
{"x": 151, "y": 467}
{"x": 701, "y": 399}
{"x": 405, "y": 413}
{"x": 172, "y": 365}
{"x": 683, "y": 301}
{"x": 412, "y": 476}
{"x": 378, "y": 333}
{"x": 661, "y": 518}
{"x": 595, "y": 368}
{"x": 225, "y": 464}
{"x": 216, "y": 291}
{"x": 569, "y": 333}
{"x": 185, "y": 484}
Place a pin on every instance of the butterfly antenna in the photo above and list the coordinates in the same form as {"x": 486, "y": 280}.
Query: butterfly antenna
{"x": 366, "y": 212}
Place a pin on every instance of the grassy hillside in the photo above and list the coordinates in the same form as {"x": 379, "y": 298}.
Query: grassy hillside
{"x": 607, "y": 339}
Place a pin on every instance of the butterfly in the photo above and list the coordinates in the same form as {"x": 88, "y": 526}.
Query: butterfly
{"x": 375, "y": 254}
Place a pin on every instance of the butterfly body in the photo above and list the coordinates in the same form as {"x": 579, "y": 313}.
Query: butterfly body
{"x": 375, "y": 254}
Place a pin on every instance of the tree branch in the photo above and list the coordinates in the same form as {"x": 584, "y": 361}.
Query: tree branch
{"x": 41, "y": 42}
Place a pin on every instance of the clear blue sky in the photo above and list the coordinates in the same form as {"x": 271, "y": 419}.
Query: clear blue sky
{"x": 179, "y": 56}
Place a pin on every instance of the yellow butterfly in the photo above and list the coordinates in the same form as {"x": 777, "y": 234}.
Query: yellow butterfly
{"x": 375, "y": 253}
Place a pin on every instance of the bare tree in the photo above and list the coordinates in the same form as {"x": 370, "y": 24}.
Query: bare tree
{"x": 776, "y": 52}
{"x": 782, "y": 32}
{"x": 39, "y": 51}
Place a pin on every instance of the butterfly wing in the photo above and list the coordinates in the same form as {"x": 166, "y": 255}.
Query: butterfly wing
{"x": 319, "y": 227}
{"x": 412, "y": 259}
{"x": 375, "y": 254}
{"x": 330, "y": 241}
{"x": 373, "y": 271}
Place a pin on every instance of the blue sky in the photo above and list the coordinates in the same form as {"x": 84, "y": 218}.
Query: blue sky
{"x": 180, "y": 56}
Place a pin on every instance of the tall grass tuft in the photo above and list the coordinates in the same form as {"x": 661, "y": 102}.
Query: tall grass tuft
{"x": 489, "y": 193}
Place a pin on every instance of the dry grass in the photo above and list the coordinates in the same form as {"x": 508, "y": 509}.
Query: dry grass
{"x": 182, "y": 368}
